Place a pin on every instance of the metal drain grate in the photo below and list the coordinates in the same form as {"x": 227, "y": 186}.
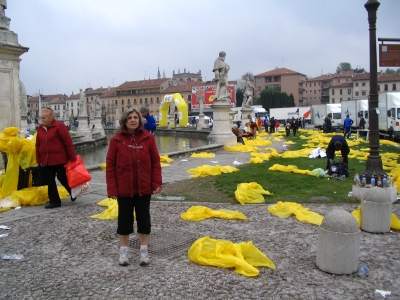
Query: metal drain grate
{"x": 166, "y": 243}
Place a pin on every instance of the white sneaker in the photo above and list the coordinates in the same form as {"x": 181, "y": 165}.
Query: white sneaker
{"x": 123, "y": 257}
{"x": 144, "y": 257}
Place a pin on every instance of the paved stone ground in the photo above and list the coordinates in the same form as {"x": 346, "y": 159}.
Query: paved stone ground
{"x": 68, "y": 255}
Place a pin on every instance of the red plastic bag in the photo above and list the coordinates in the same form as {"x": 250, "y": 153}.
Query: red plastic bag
{"x": 77, "y": 173}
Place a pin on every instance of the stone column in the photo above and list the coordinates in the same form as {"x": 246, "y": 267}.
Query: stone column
{"x": 201, "y": 124}
{"x": 221, "y": 132}
{"x": 12, "y": 93}
{"x": 246, "y": 110}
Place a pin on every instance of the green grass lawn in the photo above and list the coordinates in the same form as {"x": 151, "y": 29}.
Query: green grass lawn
{"x": 296, "y": 187}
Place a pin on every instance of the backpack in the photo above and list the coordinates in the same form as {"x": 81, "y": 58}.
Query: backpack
{"x": 339, "y": 169}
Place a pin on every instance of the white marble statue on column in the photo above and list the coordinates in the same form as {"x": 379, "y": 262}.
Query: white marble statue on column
{"x": 97, "y": 107}
{"x": 4, "y": 20}
{"x": 248, "y": 93}
{"x": 22, "y": 99}
{"x": 117, "y": 117}
{"x": 172, "y": 109}
{"x": 82, "y": 104}
{"x": 221, "y": 69}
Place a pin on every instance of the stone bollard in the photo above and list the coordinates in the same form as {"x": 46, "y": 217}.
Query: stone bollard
{"x": 376, "y": 210}
{"x": 338, "y": 246}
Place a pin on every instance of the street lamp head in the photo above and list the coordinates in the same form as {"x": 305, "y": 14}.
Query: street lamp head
{"x": 372, "y": 5}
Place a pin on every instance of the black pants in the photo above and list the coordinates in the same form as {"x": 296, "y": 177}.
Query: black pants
{"x": 141, "y": 206}
{"x": 50, "y": 173}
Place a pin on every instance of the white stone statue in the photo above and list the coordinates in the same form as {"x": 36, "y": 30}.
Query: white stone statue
{"x": 221, "y": 69}
{"x": 248, "y": 92}
{"x": 97, "y": 107}
{"x": 66, "y": 113}
{"x": 172, "y": 108}
{"x": 117, "y": 116}
{"x": 23, "y": 100}
{"x": 4, "y": 20}
{"x": 82, "y": 104}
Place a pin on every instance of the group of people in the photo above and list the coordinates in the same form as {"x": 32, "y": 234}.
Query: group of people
{"x": 133, "y": 171}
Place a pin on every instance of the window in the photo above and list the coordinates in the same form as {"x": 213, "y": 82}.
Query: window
{"x": 356, "y": 83}
{"x": 72, "y": 104}
{"x": 189, "y": 97}
{"x": 116, "y": 102}
{"x": 333, "y": 92}
{"x": 348, "y": 91}
{"x": 394, "y": 87}
{"x": 363, "y": 84}
{"x": 341, "y": 92}
{"x": 258, "y": 80}
{"x": 158, "y": 100}
{"x": 338, "y": 81}
{"x": 134, "y": 101}
{"x": 129, "y": 101}
{"x": 122, "y": 109}
{"x": 140, "y": 101}
{"x": 315, "y": 91}
{"x": 356, "y": 93}
{"x": 363, "y": 93}
{"x": 379, "y": 87}
{"x": 314, "y": 83}
{"x": 151, "y": 100}
{"x": 145, "y": 100}
{"x": 386, "y": 87}
{"x": 122, "y": 101}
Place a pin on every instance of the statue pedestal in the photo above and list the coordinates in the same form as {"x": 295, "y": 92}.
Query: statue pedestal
{"x": 24, "y": 123}
{"x": 10, "y": 93}
{"x": 201, "y": 124}
{"x": 83, "y": 128}
{"x": 221, "y": 132}
{"x": 97, "y": 126}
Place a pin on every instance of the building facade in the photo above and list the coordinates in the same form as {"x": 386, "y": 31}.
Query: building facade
{"x": 283, "y": 80}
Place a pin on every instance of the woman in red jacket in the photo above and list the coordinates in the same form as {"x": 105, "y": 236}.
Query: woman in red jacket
{"x": 133, "y": 173}
{"x": 54, "y": 148}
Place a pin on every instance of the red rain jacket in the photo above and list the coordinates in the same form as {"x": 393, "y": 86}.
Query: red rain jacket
{"x": 54, "y": 145}
{"x": 133, "y": 164}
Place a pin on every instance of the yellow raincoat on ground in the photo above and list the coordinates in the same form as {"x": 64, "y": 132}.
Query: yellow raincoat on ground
{"x": 250, "y": 193}
{"x": 285, "y": 209}
{"x": 207, "y": 170}
{"x": 200, "y": 213}
{"x": 244, "y": 257}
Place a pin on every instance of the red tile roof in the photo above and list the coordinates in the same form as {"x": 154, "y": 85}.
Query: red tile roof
{"x": 141, "y": 84}
{"x": 279, "y": 71}
{"x": 108, "y": 93}
{"x": 389, "y": 77}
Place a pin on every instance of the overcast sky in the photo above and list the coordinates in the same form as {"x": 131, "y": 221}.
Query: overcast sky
{"x": 77, "y": 44}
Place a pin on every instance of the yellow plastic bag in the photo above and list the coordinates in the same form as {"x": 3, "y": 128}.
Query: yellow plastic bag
{"x": 111, "y": 213}
{"x": 285, "y": 209}
{"x": 394, "y": 222}
{"x": 244, "y": 257}
{"x": 103, "y": 166}
{"x": 357, "y": 215}
{"x": 199, "y": 213}
{"x": 10, "y": 181}
{"x": 31, "y": 196}
{"x": 165, "y": 158}
{"x": 207, "y": 170}
{"x": 202, "y": 155}
{"x": 250, "y": 193}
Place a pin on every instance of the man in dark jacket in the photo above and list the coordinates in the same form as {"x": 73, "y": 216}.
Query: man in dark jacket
{"x": 337, "y": 143}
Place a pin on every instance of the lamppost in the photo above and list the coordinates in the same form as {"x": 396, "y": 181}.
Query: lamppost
{"x": 374, "y": 161}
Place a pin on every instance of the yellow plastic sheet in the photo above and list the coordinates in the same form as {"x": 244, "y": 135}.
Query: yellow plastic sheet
{"x": 111, "y": 213}
{"x": 103, "y": 166}
{"x": 256, "y": 160}
{"x": 250, "y": 193}
{"x": 36, "y": 195}
{"x": 302, "y": 214}
{"x": 207, "y": 170}
{"x": 244, "y": 257}
{"x": 199, "y": 213}
{"x": 394, "y": 221}
{"x": 242, "y": 148}
{"x": 203, "y": 155}
{"x": 10, "y": 181}
{"x": 165, "y": 158}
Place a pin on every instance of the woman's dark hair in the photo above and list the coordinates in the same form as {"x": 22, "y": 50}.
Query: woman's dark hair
{"x": 124, "y": 118}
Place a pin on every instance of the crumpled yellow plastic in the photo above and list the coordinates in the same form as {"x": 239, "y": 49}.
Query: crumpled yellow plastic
{"x": 36, "y": 195}
{"x": 250, "y": 192}
{"x": 111, "y": 213}
{"x": 165, "y": 165}
{"x": 199, "y": 213}
{"x": 10, "y": 181}
{"x": 207, "y": 170}
{"x": 302, "y": 214}
{"x": 203, "y": 155}
{"x": 256, "y": 160}
{"x": 244, "y": 257}
{"x": 242, "y": 148}
{"x": 165, "y": 158}
{"x": 103, "y": 166}
{"x": 8, "y": 203}
{"x": 394, "y": 221}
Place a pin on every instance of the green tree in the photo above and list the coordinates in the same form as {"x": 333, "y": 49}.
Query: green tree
{"x": 392, "y": 71}
{"x": 270, "y": 98}
{"x": 239, "y": 97}
{"x": 343, "y": 66}
{"x": 251, "y": 76}
{"x": 359, "y": 70}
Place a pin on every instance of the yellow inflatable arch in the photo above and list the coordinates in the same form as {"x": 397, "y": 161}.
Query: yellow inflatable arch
{"x": 179, "y": 103}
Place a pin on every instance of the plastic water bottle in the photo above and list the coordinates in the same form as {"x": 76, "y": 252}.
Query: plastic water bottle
{"x": 356, "y": 179}
{"x": 362, "y": 270}
{"x": 391, "y": 180}
{"x": 384, "y": 181}
{"x": 372, "y": 181}
{"x": 364, "y": 181}
{"x": 379, "y": 182}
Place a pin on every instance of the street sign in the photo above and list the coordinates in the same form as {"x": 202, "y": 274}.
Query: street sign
{"x": 389, "y": 55}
